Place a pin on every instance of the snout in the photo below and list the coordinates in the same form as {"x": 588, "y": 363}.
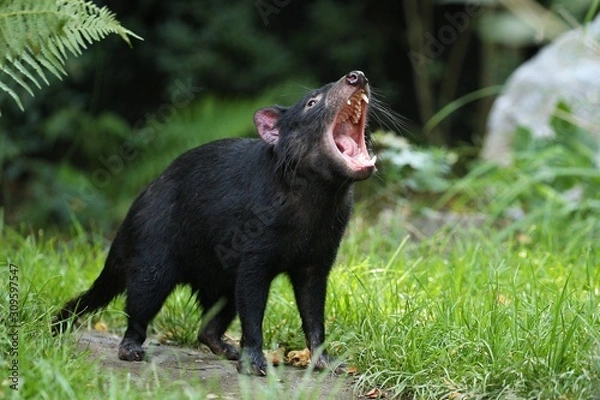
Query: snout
{"x": 356, "y": 78}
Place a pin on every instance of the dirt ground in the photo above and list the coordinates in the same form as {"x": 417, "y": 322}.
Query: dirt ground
{"x": 200, "y": 367}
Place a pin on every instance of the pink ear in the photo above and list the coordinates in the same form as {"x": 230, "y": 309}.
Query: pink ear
{"x": 265, "y": 120}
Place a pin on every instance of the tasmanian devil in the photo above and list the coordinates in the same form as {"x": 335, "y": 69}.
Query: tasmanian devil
{"x": 229, "y": 216}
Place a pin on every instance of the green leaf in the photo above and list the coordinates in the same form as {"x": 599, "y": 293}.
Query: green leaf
{"x": 12, "y": 94}
{"x": 39, "y": 34}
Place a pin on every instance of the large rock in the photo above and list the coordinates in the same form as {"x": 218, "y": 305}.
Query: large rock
{"x": 568, "y": 70}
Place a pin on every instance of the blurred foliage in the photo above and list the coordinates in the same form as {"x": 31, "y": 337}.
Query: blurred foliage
{"x": 95, "y": 181}
{"x": 560, "y": 174}
{"x": 418, "y": 170}
{"x": 207, "y": 60}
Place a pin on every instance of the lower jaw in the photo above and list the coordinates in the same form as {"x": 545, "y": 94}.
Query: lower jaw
{"x": 363, "y": 173}
{"x": 355, "y": 173}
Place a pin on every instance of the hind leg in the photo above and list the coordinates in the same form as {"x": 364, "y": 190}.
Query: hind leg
{"x": 211, "y": 333}
{"x": 145, "y": 297}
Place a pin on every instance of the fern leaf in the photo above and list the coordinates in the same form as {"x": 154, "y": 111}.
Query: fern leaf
{"x": 17, "y": 78}
{"x": 38, "y": 35}
{"x": 25, "y": 72}
{"x": 51, "y": 62}
{"x": 36, "y": 66}
{"x": 12, "y": 94}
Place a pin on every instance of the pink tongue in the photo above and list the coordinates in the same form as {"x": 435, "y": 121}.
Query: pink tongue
{"x": 346, "y": 145}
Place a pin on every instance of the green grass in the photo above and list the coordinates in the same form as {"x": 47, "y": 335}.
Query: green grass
{"x": 506, "y": 309}
{"x": 477, "y": 317}
{"x": 463, "y": 313}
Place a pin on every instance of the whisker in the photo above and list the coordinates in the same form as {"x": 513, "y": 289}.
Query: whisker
{"x": 385, "y": 116}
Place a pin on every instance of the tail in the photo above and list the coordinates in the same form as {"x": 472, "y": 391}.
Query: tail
{"x": 106, "y": 287}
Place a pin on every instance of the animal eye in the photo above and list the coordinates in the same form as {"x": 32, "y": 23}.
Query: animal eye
{"x": 311, "y": 103}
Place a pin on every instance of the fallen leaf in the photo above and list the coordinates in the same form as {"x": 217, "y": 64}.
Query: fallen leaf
{"x": 299, "y": 358}
{"x": 232, "y": 340}
{"x": 275, "y": 357}
{"x": 100, "y": 326}
{"x": 352, "y": 370}
{"x": 374, "y": 393}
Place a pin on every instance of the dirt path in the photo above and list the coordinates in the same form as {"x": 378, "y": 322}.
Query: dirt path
{"x": 202, "y": 367}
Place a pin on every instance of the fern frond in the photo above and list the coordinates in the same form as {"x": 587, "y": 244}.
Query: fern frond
{"x": 38, "y": 35}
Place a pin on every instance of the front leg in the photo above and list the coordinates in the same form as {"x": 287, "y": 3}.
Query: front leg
{"x": 310, "y": 288}
{"x": 252, "y": 291}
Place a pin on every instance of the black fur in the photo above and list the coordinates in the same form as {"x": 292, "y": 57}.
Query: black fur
{"x": 228, "y": 217}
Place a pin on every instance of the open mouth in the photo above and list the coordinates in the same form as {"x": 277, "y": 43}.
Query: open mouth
{"x": 348, "y": 133}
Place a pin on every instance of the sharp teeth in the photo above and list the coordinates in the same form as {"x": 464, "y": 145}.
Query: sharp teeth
{"x": 374, "y": 159}
{"x": 353, "y": 111}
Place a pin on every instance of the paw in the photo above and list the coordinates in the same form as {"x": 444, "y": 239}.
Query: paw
{"x": 230, "y": 352}
{"x": 221, "y": 348}
{"x": 326, "y": 362}
{"x": 131, "y": 351}
{"x": 252, "y": 364}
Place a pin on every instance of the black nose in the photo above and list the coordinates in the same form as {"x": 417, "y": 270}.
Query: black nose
{"x": 356, "y": 78}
